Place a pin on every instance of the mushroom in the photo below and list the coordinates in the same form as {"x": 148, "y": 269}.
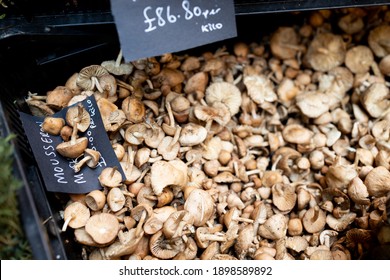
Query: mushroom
{"x": 77, "y": 116}
{"x": 351, "y": 23}
{"x": 374, "y": 100}
{"x": 359, "y": 59}
{"x": 218, "y": 113}
{"x": 313, "y": 104}
{"x": 314, "y": 220}
{"x": 297, "y": 134}
{"x": 102, "y": 227}
{"x": 358, "y": 192}
{"x": 134, "y": 109}
{"x": 59, "y": 97}
{"x": 39, "y": 108}
{"x": 378, "y": 40}
{"x": 178, "y": 175}
{"x": 325, "y": 52}
{"x": 88, "y": 77}
{"x": 76, "y": 215}
{"x": 177, "y": 223}
{"x": 95, "y": 200}
{"x": 192, "y": 135}
{"x": 377, "y": 181}
{"x": 169, "y": 147}
{"x": 110, "y": 177}
{"x": 297, "y": 243}
{"x": 165, "y": 248}
{"x": 116, "y": 67}
{"x": 115, "y": 199}
{"x": 53, "y": 125}
{"x": 284, "y": 43}
{"x": 260, "y": 88}
{"x": 73, "y": 148}
{"x": 284, "y": 196}
{"x": 91, "y": 158}
{"x": 200, "y": 205}
{"x": 226, "y": 93}
{"x": 275, "y": 227}
{"x": 342, "y": 223}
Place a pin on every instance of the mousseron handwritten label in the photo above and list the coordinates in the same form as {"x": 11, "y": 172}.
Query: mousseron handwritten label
{"x": 149, "y": 28}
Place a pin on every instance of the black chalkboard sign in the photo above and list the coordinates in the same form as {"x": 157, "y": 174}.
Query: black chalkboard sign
{"x": 57, "y": 171}
{"x": 148, "y": 28}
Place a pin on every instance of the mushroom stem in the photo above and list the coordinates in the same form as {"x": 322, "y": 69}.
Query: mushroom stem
{"x": 75, "y": 130}
{"x": 115, "y": 168}
{"x": 150, "y": 197}
{"x": 175, "y": 137}
{"x": 122, "y": 84}
{"x": 316, "y": 214}
{"x": 212, "y": 237}
{"x": 140, "y": 224}
{"x": 119, "y": 59}
{"x": 78, "y": 165}
{"x": 95, "y": 82}
{"x": 154, "y": 159}
{"x": 67, "y": 221}
{"x": 244, "y": 220}
{"x": 253, "y": 172}
{"x": 170, "y": 114}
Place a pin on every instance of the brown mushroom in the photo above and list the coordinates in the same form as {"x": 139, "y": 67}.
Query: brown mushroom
{"x": 200, "y": 205}
{"x": 115, "y": 199}
{"x": 53, "y": 125}
{"x": 110, "y": 177}
{"x": 88, "y": 78}
{"x": 76, "y": 215}
{"x": 102, "y": 227}
{"x": 226, "y": 93}
{"x": 377, "y": 181}
{"x": 359, "y": 59}
{"x": 314, "y": 220}
{"x": 284, "y": 43}
{"x": 116, "y": 67}
{"x": 378, "y": 40}
{"x": 59, "y": 97}
{"x": 275, "y": 227}
{"x": 374, "y": 100}
{"x": 95, "y": 200}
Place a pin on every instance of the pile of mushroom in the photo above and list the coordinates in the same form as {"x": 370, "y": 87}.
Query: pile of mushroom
{"x": 277, "y": 149}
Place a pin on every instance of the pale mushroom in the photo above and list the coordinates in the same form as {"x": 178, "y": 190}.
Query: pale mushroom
{"x": 115, "y": 199}
{"x": 342, "y": 223}
{"x": 378, "y": 40}
{"x": 78, "y": 116}
{"x": 275, "y": 227}
{"x": 260, "y": 88}
{"x": 226, "y": 93}
{"x": 134, "y": 109}
{"x": 359, "y": 59}
{"x": 116, "y": 67}
{"x": 325, "y": 52}
{"x": 192, "y": 134}
{"x": 297, "y": 134}
{"x": 313, "y": 104}
{"x": 178, "y": 175}
{"x": 200, "y": 205}
{"x": 284, "y": 197}
{"x": 377, "y": 181}
{"x": 375, "y": 99}
{"x": 103, "y": 227}
{"x": 163, "y": 248}
{"x": 110, "y": 177}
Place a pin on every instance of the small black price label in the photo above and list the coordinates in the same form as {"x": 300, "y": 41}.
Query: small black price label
{"x": 148, "y": 28}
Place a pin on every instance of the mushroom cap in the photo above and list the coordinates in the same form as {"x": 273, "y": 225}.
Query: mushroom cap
{"x": 78, "y": 115}
{"x": 134, "y": 109}
{"x": 351, "y": 23}
{"x": 358, "y": 192}
{"x": 164, "y": 249}
{"x": 226, "y": 93}
{"x": 297, "y": 134}
{"x": 39, "y": 108}
{"x": 115, "y": 199}
{"x": 110, "y": 177}
{"x": 53, "y": 125}
{"x": 283, "y": 42}
{"x": 297, "y": 243}
{"x": 84, "y": 79}
{"x": 106, "y": 108}
{"x": 78, "y": 213}
{"x": 192, "y": 134}
{"x": 118, "y": 70}
{"x": 384, "y": 65}
{"x": 176, "y": 222}
{"x": 197, "y": 83}
{"x": 341, "y": 223}
{"x": 200, "y": 205}
{"x": 102, "y": 227}
{"x": 314, "y": 220}
{"x": 167, "y": 150}
{"x": 379, "y": 41}
{"x": 275, "y": 227}
{"x": 260, "y": 88}
{"x": 377, "y": 181}
{"x": 95, "y": 200}
{"x": 59, "y": 97}
{"x": 325, "y": 52}
{"x": 177, "y": 175}
{"x": 284, "y": 196}
{"x": 359, "y": 59}
{"x": 313, "y": 104}
{"x": 72, "y": 150}
{"x": 154, "y": 136}
{"x": 374, "y": 99}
